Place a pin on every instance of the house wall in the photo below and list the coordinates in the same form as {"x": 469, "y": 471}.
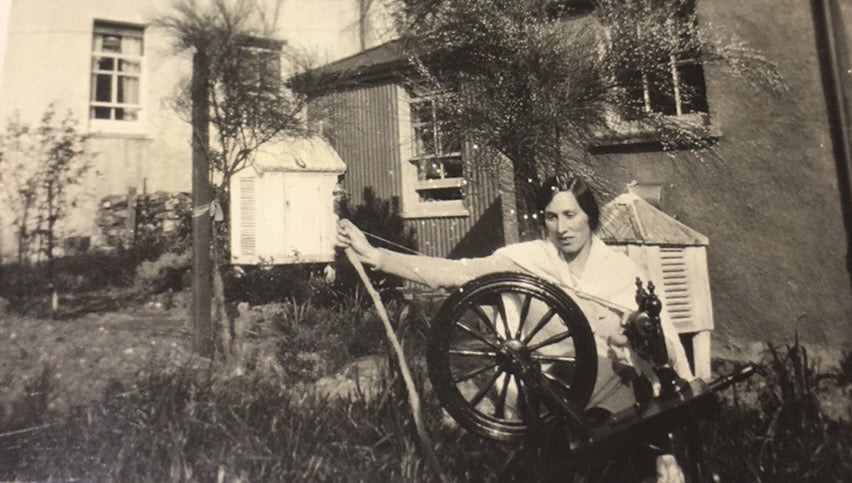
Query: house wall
{"x": 767, "y": 198}
{"x": 47, "y": 59}
{"x": 364, "y": 127}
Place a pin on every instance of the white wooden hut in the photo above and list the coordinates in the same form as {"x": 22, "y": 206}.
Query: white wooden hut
{"x": 675, "y": 258}
{"x": 282, "y": 206}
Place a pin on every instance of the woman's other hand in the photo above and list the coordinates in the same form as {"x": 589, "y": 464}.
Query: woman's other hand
{"x": 350, "y": 236}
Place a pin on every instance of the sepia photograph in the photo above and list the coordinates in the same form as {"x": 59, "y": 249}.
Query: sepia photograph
{"x": 426, "y": 240}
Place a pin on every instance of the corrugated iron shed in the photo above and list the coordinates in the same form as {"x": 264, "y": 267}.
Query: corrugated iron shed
{"x": 630, "y": 219}
{"x": 298, "y": 154}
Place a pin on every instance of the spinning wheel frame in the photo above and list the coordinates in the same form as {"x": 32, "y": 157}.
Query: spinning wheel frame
{"x": 507, "y": 354}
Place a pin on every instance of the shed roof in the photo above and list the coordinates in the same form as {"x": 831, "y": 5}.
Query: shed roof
{"x": 385, "y": 55}
{"x": 298, "y": 154}
{"x": 628, "y": 219}
{"x": 384, "y": 61}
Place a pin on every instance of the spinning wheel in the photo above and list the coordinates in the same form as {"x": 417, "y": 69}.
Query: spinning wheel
{"x": 498, "y": 343}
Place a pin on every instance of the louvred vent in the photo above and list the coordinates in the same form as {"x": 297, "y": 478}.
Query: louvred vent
{"x": 248, "y": 210}
{"x": 676, "y": 285}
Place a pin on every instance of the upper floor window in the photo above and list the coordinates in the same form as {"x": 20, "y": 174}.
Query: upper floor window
{"x": 661, "y": 67}
{"x": 675, "y": 89}
{"x": 117, "y": 51}
{"x": 436, "y": 149}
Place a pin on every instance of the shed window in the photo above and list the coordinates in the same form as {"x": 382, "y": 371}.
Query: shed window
{"x": 117, "y": 59}
{"x": 436, "y": 149}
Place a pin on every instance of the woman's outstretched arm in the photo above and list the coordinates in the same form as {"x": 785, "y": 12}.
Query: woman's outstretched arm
{"x": 432, "y": 271}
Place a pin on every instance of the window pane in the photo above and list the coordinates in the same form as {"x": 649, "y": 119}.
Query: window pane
{"x": 450, "y": 139}
{"x": 424, "y": 140}
{"x": 104, "y": 63}
{"x": 661, "y": 91}
{"x": 123, "y": 114}
{"x": 103, "y": 87}
{"x": 441, "y": 194}
{"x": 129, "y": 66}
{"x": 634, "y": 93}
{"x": 421, "y": 112}
{"x": 453, "y": 168}
{"x": 110, "y": 43}
{"x": 131, "y": 45}
{"x": 128, "y": 90}
{"x": 429, "y": 169}
{"x": 693, "y": 88}
{"x": 100, "y": 112}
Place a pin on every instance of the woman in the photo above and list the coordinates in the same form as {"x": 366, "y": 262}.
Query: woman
{"x": 569, "y": 255}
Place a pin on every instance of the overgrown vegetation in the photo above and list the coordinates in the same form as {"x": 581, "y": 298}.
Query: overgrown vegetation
{"x": 542, "y": 82}
{"x": 784, "y": 435}
{"x": 207, "y": 421}
{"x": 40, "y": 168}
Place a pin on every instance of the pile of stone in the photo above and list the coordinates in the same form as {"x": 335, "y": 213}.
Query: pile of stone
{"x": 124, "y": 219}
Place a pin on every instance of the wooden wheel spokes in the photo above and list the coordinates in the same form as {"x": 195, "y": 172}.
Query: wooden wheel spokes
{"x": 473, "y": 373}
{"x": 477, "y": 335}
{"x": 483, "y": 390}
{"x": 525, "y": 310}
{"x": 551, "y": 359}
{"x": 500, "y": 408}
{"x": 554, "y": 339}
{"x": 487, "y": 343}
{"x": 486, "y": 321}
{"x": 548, "y": 316}
{"x": 472, "y": 353}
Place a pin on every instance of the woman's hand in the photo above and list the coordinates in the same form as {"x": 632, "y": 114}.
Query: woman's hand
{"x": 350, "y": 236}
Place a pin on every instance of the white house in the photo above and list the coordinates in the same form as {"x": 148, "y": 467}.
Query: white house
{"x": 107, "y": 63}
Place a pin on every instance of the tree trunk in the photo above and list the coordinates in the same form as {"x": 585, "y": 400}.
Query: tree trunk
{"x": 526, "y": 188}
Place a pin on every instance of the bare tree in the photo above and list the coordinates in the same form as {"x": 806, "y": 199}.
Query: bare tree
{"x": 250, "y": 103}
{"x": 41, "y": 166}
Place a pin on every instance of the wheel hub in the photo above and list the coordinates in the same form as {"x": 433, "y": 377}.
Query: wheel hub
{"x": 514, "y": 357}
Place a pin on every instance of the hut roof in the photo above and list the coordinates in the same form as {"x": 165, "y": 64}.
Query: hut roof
{"x": 298, "y": 154}
{"x": 379, "y": 63}
{"x": 630, "y": 219}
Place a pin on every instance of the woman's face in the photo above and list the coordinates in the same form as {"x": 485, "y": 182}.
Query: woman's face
{"x": 567, "y": 224}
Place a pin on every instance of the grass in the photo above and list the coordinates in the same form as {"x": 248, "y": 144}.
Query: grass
{"x": 203, "y": 421}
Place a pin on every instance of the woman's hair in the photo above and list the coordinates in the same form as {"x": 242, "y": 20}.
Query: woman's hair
{"x": 579, "y": 188}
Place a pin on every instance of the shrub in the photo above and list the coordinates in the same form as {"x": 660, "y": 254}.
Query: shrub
{"x": 259, "y": 285}
{"x": 382, "y": 221}
{"x": 26, "y": 285}
{"x": 165, "y": 273}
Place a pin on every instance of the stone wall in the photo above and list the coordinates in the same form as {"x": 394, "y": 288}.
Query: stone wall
{"x": 152, "y": 215}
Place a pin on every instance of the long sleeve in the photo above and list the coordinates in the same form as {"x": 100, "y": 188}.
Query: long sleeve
{"x": 441, "y": 272}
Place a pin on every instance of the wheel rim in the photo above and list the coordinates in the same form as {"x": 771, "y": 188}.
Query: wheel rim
{"x": 484, "y": 328}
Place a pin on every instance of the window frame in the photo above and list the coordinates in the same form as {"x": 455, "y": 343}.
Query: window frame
{"x": 626, "y": 131}
{"x": 113, "y": 125}
{"x": 411, "y": 158}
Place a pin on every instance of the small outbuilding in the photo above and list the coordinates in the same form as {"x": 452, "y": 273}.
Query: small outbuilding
{"x": 282, "y": 206}
{"x": 675, "y": 258}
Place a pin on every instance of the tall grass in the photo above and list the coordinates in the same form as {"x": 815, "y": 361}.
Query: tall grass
{"x": 206, "y": 422}
{"x": 778, "y": 431}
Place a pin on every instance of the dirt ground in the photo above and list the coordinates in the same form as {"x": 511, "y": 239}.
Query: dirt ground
{"x": 84, "y": 353}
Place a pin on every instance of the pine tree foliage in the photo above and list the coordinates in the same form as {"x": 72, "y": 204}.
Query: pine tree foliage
{"x": 543, "y": 81}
